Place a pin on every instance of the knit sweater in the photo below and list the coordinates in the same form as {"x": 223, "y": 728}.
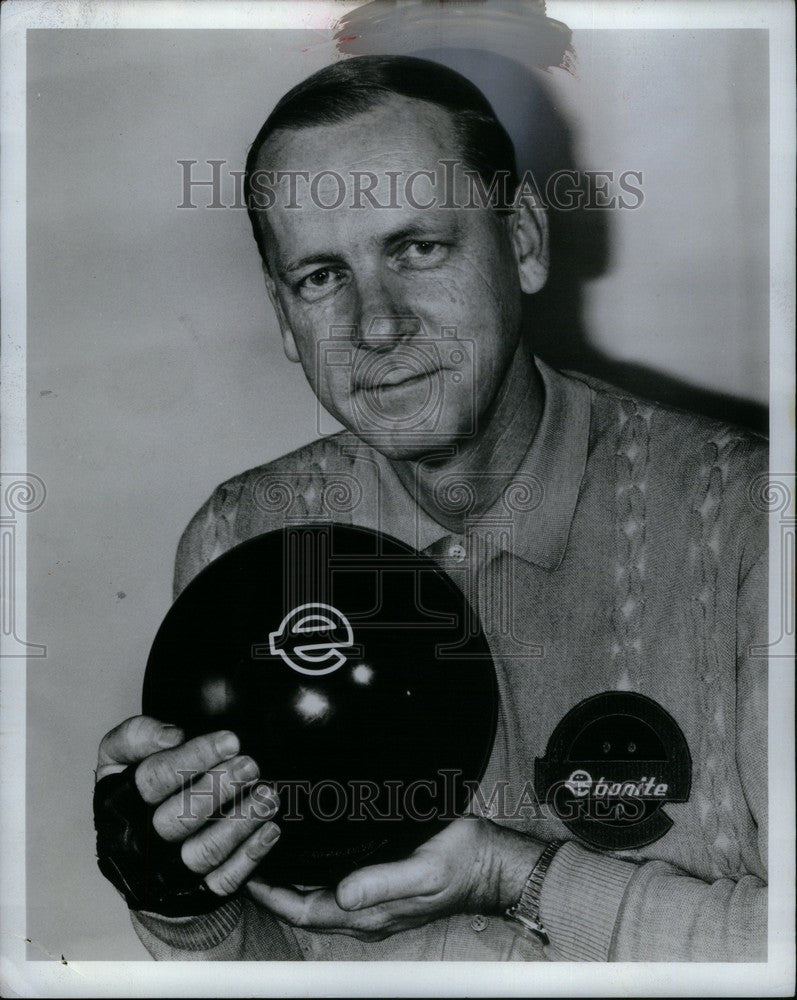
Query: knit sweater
{"x": 627, "y": 553}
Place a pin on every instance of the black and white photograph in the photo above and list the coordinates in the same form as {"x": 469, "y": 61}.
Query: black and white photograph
{"x": 398, "y": 498}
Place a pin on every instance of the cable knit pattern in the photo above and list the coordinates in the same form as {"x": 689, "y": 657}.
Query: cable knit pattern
{"x": 716, "y": 813}
{"x": 631, "y": 467}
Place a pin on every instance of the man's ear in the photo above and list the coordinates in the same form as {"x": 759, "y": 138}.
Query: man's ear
{"x": 530, "y": 242}
{"x": 288, "y": 342}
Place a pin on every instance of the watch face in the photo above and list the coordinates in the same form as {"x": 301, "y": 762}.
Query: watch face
{"x": 611, "y": 765}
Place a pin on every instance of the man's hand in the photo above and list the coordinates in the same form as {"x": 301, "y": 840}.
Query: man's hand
{"x": 225, "y": 849}
{"x": 471, "y": 866}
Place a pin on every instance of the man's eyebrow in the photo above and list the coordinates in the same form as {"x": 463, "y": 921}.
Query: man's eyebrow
{"x": 313, "y": 258}
{"x": 414, "y": 231}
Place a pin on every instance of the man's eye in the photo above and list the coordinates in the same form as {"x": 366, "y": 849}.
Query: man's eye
{"x": 319, "y": 283}
{"x": 319, "y": 279}
{"x": 423, "y": 253}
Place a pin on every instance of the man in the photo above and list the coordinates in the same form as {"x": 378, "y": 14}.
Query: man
{"x": 610, "y": 546}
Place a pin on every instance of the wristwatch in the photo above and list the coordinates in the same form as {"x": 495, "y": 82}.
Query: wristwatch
{"x": 526, "y": 911}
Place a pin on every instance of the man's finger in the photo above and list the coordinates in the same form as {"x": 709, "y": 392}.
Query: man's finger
{"x": 211, "y": 845}
{"x": 231, "y": 875}
{"x": 162, "y": 774}
{"x": 417, "y": 876}
{"x": 133, "y": 740}
{"x": 185, "y": 812}
{"x": 316, "y": 909}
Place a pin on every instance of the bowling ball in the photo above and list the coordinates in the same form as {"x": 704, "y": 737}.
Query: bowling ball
{"x": 355, "y": 673}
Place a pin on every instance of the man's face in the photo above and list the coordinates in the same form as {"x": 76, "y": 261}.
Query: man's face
{"x": 404, "y": 318}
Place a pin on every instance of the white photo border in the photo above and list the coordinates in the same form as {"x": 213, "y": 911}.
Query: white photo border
{"x": 23, "y": 977}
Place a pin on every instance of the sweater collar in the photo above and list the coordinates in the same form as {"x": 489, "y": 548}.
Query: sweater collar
{"x": 532, "y": 517}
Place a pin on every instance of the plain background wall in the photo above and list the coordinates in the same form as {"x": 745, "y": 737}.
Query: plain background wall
{"x": 154, "y": 365}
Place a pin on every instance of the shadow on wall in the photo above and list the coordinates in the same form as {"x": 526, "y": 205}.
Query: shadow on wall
{"x": 580, "y": 243}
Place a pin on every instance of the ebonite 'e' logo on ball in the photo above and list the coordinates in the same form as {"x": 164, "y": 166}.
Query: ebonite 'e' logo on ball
{"x": 310, "y": 639}
{"x": 611, "y": 765}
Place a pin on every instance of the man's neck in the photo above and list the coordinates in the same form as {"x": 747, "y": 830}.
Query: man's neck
{"x": 485, "y": 463}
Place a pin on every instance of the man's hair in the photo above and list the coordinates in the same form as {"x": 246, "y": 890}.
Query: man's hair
{"x": 353, "y": 86}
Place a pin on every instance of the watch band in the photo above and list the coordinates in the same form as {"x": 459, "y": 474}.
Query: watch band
{"x": 526, "y": 911}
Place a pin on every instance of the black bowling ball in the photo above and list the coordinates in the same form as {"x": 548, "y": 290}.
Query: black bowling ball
{"x": 353, "y": 670}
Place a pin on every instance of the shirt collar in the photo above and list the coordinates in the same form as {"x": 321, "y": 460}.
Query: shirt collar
{"x": 540, "y": 502}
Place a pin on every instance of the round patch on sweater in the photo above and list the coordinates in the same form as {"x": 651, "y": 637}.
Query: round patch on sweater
{"x": 610, "y": 767}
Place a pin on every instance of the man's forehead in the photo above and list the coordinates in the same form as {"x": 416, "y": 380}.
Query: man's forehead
{"x": 399, "y": 133}
{"x": 338, "y": 187}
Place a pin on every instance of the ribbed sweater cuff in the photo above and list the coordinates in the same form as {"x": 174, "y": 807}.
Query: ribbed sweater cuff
{"x": 579, "y": 902}
{"x": 192, "y": 933}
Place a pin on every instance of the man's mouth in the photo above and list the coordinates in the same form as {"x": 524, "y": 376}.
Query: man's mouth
{"x": 407, "y": 379}
{"x": 397, "y": 378}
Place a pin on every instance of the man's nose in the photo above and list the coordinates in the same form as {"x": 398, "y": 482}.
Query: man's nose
{"x": 383, "y": 317}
